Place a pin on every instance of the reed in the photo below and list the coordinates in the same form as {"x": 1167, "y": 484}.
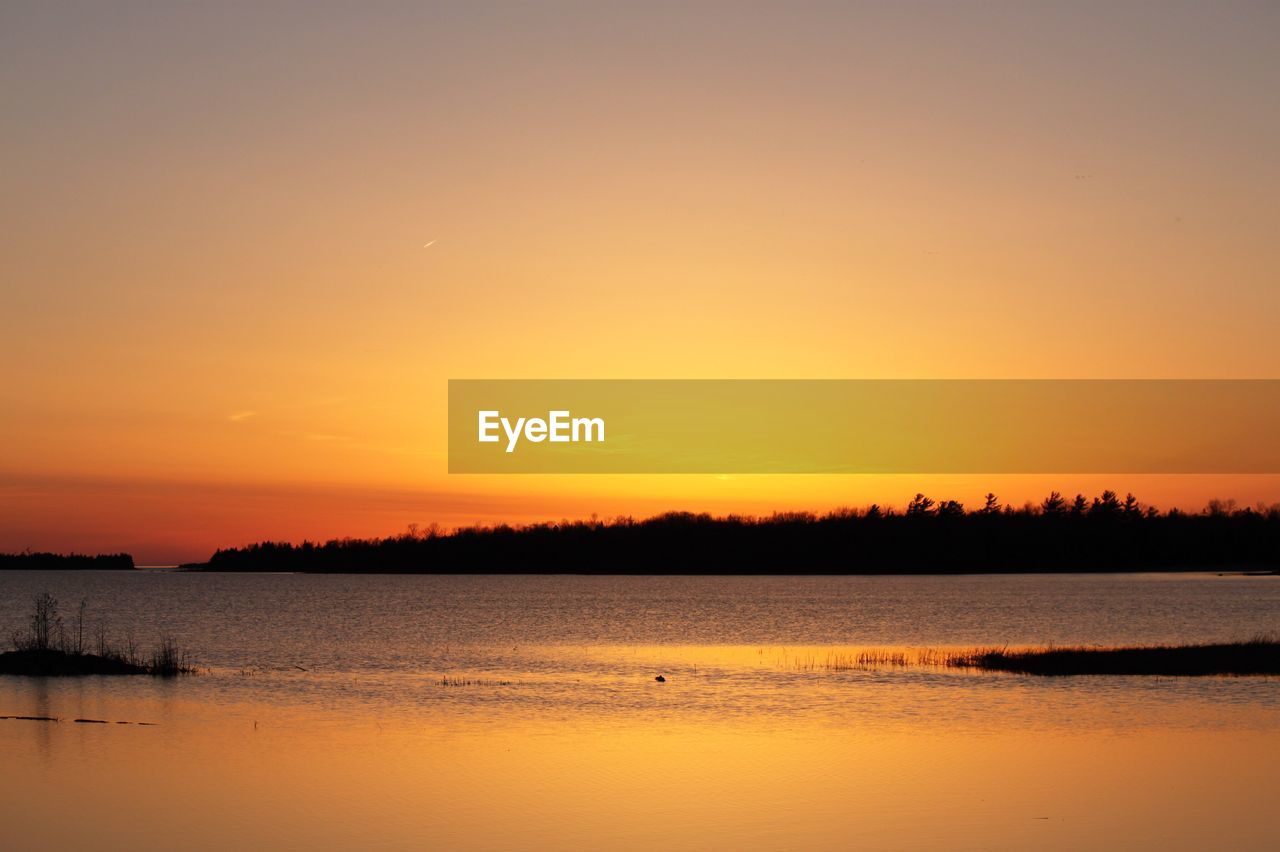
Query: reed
{"x": 169, "y": 660}
{"x": 446, "y": 680}
{"x": 860, "y": 659}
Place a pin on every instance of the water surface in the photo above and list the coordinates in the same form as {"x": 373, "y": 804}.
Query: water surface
{"x": 521, "y": 711}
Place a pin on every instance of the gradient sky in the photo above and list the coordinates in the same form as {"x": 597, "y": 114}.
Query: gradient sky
{"x": 218, "y": 322}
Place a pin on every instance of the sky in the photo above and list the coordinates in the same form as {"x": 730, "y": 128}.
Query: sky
{"x": 221, "y": 321}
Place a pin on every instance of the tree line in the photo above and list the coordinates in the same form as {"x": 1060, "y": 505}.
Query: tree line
{"x": 29, "y": 561}
{"x": 1105, "y": 533}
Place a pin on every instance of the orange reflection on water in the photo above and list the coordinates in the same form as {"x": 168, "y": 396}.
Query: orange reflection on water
{"x": 262, "y": 775}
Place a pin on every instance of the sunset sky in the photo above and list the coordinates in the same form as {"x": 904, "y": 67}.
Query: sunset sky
{"x": 220, "y": 320}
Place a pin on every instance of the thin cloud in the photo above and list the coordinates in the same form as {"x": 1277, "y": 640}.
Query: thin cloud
{"x": 241, "y": 416}
{"x": 325, "y": 436}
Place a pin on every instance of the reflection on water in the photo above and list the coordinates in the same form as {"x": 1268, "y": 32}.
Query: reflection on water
{"x": 410, "y": 712}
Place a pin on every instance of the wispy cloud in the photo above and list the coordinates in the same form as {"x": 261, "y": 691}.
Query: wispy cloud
{"x": 324, "y": 436}
{"x": 241, "y": 416}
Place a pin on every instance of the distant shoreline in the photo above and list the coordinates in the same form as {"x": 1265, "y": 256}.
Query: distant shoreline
{"x": 1107, "y": 535}
{"x": 66, "y": 562}
{"x": 201, "y": 568}
{"x": 1221, "y": 571}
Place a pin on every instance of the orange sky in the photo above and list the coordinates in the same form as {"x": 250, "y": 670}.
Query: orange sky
{"x": 218, "y": 322}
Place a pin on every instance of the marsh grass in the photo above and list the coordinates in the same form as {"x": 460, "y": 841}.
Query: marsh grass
{"x": 49, "y": 649}
{"x": 1257, "y": 656}
{"x": 169, "y": 660}
{"x": 864, "y": 659}
{"x": 446, "y": 680}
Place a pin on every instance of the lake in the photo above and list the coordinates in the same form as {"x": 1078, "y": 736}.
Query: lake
{"x": 498, "y": 712}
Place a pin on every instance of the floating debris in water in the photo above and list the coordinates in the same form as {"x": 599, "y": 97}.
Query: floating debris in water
{"x": 31, "y": 718}
{"x": 81, "y": 721}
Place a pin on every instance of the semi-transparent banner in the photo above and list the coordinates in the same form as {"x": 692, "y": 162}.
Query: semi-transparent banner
{"x": 864, "y": 426}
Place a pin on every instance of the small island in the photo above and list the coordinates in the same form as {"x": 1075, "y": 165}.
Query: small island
{"x": 51, "y": 649}
{"x": 1257, "y": 656}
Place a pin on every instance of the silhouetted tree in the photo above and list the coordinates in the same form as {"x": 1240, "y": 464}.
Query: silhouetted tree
{"x": 1053, "y": 505}
{"x": 1108, "y": 505}
{"x": 1220, "y": 508}
{"x": 920, "y": 506}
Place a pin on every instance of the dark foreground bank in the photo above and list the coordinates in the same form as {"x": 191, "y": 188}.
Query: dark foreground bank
{"x": 50, "y": 662}
{"x": 1260, "y": 656}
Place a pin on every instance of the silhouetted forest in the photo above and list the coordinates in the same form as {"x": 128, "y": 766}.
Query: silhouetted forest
{"x": 65, "y": 562}
{"x": 1106, "y": 533}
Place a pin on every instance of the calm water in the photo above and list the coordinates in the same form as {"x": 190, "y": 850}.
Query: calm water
{"x": 521, "y": 712}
